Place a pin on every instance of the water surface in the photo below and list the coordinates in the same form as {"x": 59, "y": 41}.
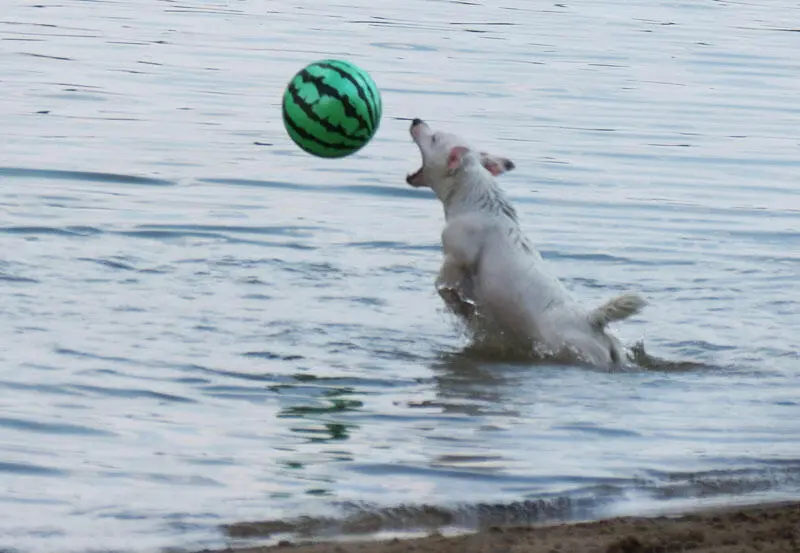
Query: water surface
{"x": 203, "y": 325}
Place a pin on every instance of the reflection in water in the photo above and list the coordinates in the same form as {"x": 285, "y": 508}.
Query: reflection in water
{"x": 471, "y": 385}
{"x": 319, "y": 418}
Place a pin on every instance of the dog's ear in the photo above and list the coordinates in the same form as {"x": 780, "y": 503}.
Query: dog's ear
{"x": 496, "y": 165}
{"x": 455, "y": 157}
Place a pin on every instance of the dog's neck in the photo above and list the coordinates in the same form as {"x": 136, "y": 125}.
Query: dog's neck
{"x": 468, "y": 194}
{"x": 483, "y": 196}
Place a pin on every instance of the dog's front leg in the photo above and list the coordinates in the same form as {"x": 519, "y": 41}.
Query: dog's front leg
{"x": 462, "y": 244}
{"x": 454, "y": 285}
{"x": 451, "y": 273}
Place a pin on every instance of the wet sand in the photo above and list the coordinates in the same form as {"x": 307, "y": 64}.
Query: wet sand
{"x": 766, "y": 528}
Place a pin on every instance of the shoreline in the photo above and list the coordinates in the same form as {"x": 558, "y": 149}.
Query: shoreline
{"x": 772, "y": 527}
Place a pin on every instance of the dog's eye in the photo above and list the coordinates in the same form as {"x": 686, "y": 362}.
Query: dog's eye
{"x": 433, "y": 139}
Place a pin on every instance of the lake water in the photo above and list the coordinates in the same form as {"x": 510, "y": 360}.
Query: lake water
{"x": 201, "y": 325}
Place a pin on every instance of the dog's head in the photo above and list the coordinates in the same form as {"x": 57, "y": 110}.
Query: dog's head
{"x": 443, "y": 153}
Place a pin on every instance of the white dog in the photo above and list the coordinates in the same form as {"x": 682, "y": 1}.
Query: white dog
{"x": 492, "y": 276}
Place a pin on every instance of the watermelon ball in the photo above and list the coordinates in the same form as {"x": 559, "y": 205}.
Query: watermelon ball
{"x": 331, "y": 108}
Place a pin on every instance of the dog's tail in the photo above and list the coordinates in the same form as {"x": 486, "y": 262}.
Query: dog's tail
{"x": 617, "y": 309}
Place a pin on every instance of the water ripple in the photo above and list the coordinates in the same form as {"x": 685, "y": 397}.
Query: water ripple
{"x": 29, "y": 469}
{"x": 51, "y": 427}
{"x": 84, "y": 176}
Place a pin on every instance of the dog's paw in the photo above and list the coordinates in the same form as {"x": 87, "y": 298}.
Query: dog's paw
{"x": 458, "y": 304}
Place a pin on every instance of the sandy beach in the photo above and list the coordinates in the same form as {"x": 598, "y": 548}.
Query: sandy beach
{"x": 773, "y": 528}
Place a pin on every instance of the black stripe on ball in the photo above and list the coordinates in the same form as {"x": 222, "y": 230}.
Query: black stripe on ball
{"x": 312, "y": 115}
{"x": 359, "y": 89}
{"x": 305, "y": 135}
{"x": 325, "y": 89}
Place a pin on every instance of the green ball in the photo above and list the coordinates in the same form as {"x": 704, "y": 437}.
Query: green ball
{"x": 331, "y": 108}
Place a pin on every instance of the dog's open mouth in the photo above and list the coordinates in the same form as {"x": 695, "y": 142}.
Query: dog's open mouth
{"x": 413, "y": 178}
